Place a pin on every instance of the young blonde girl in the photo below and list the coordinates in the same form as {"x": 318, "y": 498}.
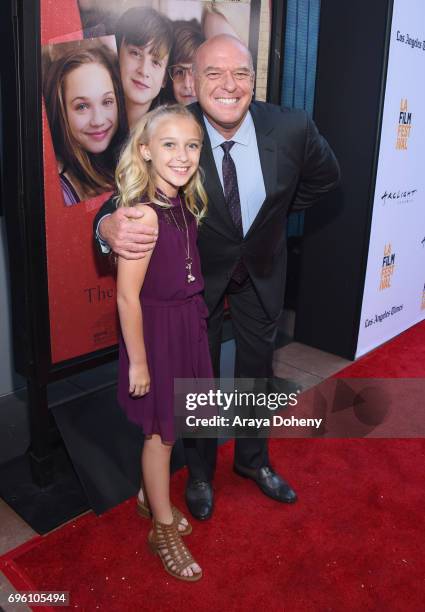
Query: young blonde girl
{"x": 161, "y": 310}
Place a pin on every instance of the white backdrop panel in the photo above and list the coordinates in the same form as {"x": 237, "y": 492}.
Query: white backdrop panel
{"x": 397, "y": 240}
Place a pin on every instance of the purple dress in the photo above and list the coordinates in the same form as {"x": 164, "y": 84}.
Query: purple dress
{"x": 174, "y": 325}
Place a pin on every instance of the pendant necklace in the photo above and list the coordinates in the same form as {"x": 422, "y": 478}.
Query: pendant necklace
{"x": 188, "y": 261}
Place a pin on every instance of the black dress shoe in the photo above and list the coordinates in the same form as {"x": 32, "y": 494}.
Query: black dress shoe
{"x": 269, "y": 482}
{"x": 199, "y": 499}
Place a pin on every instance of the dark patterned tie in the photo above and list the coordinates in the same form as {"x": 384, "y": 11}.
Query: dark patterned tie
{"x": 230, "y": 184}
{"x": 231, "y": 195}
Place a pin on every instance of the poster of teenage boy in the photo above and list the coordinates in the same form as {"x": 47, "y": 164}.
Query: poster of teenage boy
{"x": 143, "y": 30}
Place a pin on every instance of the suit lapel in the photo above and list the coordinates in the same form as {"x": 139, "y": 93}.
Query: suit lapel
{"x": 216, "y": 201}
{"x": 267, "y": 149}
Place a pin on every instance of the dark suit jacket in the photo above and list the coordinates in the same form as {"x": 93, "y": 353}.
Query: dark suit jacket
{"x": 298, "y": 168}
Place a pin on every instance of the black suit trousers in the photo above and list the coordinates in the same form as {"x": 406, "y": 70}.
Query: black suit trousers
{"x": 254, "y": 335}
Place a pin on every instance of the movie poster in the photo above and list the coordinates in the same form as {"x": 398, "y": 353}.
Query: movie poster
{"x": 105, "y": 63}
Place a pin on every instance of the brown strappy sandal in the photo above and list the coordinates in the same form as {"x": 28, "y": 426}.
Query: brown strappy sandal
{"x": 143, "y": 509}
{"x": 165, "y": 537}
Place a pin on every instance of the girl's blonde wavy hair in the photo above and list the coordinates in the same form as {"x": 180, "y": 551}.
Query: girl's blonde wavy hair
{"x": 134, "y": 176}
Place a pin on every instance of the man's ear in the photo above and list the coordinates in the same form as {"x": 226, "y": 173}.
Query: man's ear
{"x": 145, "y": 152}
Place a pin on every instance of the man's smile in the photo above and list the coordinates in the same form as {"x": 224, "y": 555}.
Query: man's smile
{"x": 227, "y": 101}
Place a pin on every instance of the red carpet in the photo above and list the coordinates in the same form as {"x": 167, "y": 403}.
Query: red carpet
{"x": 353, "y": 541}
{"x": 402, "y": 357}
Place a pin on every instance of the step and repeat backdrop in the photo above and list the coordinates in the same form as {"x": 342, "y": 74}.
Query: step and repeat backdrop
{"x": 394, "y": 291}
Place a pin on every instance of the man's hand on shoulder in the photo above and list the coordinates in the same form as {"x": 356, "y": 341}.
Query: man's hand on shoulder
{"x": 126, "y": 234}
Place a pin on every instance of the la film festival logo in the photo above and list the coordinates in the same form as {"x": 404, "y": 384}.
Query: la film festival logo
{"x": 388, "y": 265}
{"x": 404, "y": 126}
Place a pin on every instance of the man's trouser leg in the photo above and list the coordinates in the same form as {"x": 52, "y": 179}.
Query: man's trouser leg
{"x": 201, "y": 453}
{"x": 255, "y": 335}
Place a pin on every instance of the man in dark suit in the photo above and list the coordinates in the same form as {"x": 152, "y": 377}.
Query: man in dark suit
{"x": 260, "y": 162}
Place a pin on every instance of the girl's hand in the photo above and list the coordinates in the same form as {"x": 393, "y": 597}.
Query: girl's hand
{"x": 139, "y": 380}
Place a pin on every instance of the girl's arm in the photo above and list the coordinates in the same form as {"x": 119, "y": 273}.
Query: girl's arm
{"x": 130, "y": 278}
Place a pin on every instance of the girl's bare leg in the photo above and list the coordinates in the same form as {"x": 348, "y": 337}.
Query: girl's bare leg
{"x": 156, "y": 475}
{"x": 142, "y": 497}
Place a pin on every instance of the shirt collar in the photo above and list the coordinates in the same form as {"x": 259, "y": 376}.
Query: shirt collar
{"x": 242, "y": 136}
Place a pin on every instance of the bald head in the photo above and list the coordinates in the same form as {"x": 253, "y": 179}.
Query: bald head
{"x": 224, "y": 81}
{"x": 221, "y": 44}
